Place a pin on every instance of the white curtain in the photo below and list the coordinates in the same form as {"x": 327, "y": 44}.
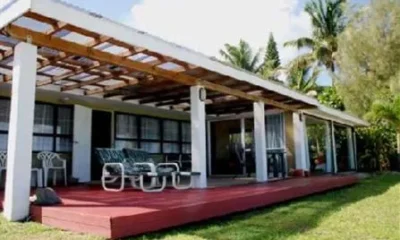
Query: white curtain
{"x": 274, "y": 131}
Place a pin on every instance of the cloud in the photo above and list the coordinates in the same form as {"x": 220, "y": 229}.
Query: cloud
{"x": 206, "y": 25}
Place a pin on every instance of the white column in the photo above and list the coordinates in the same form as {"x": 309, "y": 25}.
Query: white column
{"x": 209, "y": 156}
{"x": 19, "y": 159}
{"x": 328, "y": 148}
{"x": 355, "y": 149}
{"x": 260, "y": 142}
{"x": 335, "y": 167}
{"x": 243, "y": 142}
{"x": 300, "y": 143}
{"x": 198, "y": 125}
{"x": 81, "y": 155}
{"x": 350, "y": 147}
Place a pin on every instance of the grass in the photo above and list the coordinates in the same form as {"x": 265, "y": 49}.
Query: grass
{"x": 369, "y": 210}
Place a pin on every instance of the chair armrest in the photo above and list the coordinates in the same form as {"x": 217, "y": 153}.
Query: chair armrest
{"x": 61, "y": 161}
{"x": 120, "y": 165}
{"x": 175, "y": 165}
{"x": 150, "y": 165}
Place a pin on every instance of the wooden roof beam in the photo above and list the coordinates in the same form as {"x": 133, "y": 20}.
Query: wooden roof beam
{"x": 44, "y": 40}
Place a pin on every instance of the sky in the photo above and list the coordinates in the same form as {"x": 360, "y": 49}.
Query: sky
{"x": 206, "y": 25}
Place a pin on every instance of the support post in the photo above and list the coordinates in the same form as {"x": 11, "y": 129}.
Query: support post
{"x": 355, "y": 149}
{"x": 243, "y": 143}
{"x": 334, "y": 155}
{"x": 198, "y": 125}
{"x": 260, "y": 142}
{"x": 350, "y": 147}
{"x": 328, "y": 148}
{"x": 82, "y": 148}
{"x": 301, "y": 146}
{"x": 19, "y": 149}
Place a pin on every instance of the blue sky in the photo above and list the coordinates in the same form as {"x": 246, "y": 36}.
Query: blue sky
{"x": 205, "y": 25}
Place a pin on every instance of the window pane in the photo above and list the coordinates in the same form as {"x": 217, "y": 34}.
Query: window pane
{"x": 186, "y": 132}
{"x": 126, "y": 126}
{"x": 4, "y": 114}
{"x": 120, "y": 144}
{"x": 42, "y": 143}
{"x": 3, "y": 142}
{"x": 186, "y": 148}
{"x": 64, "y": 121}
{"x": 63, "y": 145}
{"x": 151, "y": 147}
{"x": 43, "y": 119}
{"x": 274, "y": 129}
{"x": 150, "y": 129}
{"x": 170, "y": 129}
{"x": 171, "y": 148}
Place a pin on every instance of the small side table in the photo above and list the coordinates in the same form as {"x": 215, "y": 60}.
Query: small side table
{"x": 39, "y": 176}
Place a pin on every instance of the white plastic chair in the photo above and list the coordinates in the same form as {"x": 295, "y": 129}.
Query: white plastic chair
{"x": 3, "y": 163}
{"x": 52, "y": 161}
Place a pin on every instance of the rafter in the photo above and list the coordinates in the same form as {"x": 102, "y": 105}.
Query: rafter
{"x": 41, "y": 39}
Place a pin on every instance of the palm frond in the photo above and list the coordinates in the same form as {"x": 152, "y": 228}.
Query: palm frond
{"x": 300, "y": 43}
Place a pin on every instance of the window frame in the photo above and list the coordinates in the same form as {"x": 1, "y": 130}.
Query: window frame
{"x": 54, "y": 135}
{"x": 139, "y": 140}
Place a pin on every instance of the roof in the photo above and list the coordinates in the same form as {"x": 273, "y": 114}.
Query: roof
{"x": 84, "y": 53}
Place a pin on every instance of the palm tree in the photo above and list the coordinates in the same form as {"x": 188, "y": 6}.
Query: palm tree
{"x": 302, "y": 76}
{"x": 242, "y": 56}
{"x": 327, "y": 19}
{"x": 388, "y": 111}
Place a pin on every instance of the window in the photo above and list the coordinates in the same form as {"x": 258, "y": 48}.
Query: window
{"x": 153, "y": 135}
{"x": 52, "y": 127}
{"x": 126, "y": 131}
{"x": 150, "y": 128}
{"x": 4, "y": 120}
{"x": 275, "y": 133}
{"x": 186, "y": 132}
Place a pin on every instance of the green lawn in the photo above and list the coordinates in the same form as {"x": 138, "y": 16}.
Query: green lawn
{"x": 369, "y": 210}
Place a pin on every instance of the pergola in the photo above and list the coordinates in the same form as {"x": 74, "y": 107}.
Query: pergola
{"x": 50, "y": 45}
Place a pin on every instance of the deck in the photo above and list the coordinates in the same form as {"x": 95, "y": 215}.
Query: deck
{"x": 115, "y": 215}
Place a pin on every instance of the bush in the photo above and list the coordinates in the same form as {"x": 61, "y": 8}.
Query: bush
{"x": 376, "y": 148}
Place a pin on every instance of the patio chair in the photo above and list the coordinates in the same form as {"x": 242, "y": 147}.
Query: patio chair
{"x": 3, "y": 163}
{"x": 117, "y": 166}
{"x": 52, "y": 161}
{"x": 142, "y": 159}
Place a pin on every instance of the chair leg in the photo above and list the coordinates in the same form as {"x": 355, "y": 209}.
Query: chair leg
{"x": 65, "y": 177}
{"x": 176, "y": 181}
{"x": 54, "y": 177}
{"x": 152, "y": 190}
{"x": 45, "y": 174}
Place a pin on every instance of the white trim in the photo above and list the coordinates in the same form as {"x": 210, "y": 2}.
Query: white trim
{"x": 11, "y": 10}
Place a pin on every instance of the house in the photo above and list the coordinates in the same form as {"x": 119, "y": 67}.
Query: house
{"x": 80, "y": 81}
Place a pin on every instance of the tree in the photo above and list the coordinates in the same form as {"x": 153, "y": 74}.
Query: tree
{"x": 369, "y": 56}
{"x": 271, "y": 58}
{"x": 327, "y": 19}
{"x": 241, "y": 56}
{"x": 329, "y": 97}
{"x": 369, "y": 76}
{"x": 388, "y": 111}
{"x": 303, "y": 77}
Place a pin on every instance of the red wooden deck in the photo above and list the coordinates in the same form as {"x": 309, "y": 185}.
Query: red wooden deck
{"x": 115, "y": 215}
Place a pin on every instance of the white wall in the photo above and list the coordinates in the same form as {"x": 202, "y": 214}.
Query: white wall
{"x": 81, "y": 154}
